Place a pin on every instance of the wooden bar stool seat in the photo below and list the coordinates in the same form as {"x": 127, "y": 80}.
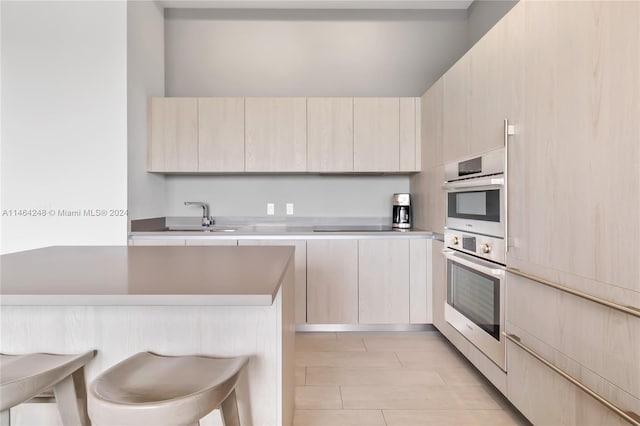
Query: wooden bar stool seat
{"x": 150, "y": 389}
{"x": 23, "y": 377}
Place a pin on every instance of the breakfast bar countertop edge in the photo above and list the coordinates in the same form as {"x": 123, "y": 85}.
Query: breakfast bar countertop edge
{"x": 145, "y": 275}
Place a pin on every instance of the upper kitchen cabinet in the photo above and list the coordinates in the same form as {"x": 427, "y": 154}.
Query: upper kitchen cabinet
{"x": 376, "y": 134}
{"x": 495, "y": 65}
{"x": 284, "y": 135}
{"x": 483, "y": 89}
{"x": 431, "y": 122}
{"x": 221, "y": 134}
{"x": 330, "y": 134}
{"x": 173, "y": 135}
{"x": 410, "y": 143}
{"x": 275, "y": 134}
{"x": 455, "y": 110}
{"x": 426, "y": 187}
{"x": 385, "y": 134}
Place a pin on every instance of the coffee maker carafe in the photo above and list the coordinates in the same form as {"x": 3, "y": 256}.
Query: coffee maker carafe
{"x": 401, "y": 211}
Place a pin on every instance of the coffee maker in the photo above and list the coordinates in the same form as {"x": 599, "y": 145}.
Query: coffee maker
{"x": 401, "y": 211}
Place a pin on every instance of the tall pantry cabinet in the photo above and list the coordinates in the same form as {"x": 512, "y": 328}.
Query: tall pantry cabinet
{"x": 567, "y": 76}
{"x": 574, "y": 197}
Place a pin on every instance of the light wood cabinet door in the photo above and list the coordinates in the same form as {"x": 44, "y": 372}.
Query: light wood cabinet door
{"x": 431, "y": 122}
{"x": 173, "y": 135}
{"x": 376, "y": 134}
{"x": 221, "y": 134}
{"x": 496, "y": 78}
{"x": 332, "y": 281}
{"x": 577, "y": 335}
{"x": 455, "y": 115}
{"x": 383, "y": 286}
{"x": 300, "y": 272}
{"x": 409, "y": 134}
{"x": 438, "y": 283}
{"x": 330, "y": 134}
{"x": 426, "y": 187}
{"x": 546, "y": 398}
{"x": 275, "y": 134}
{"x": 574, "y": 177}
{"x": 420, "y": 281}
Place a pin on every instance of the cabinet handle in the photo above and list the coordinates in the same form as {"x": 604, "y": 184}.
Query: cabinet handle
{"x": 629, "y": 416}
{"x": 631, "y": 310}
{"x": 508, "y": 131}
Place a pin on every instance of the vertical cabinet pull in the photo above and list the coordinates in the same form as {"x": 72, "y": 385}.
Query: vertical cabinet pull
{"x": 508, "y": 131}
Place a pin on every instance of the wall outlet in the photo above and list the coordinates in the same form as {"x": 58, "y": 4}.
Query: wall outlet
{"x": 289, "y": 208}
{"x": 271, "y": 209}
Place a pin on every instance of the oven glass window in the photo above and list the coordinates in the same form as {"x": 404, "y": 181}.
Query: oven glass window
{"x": 478, "y": 205}
{"x": 474, "y": 203}
{"x": 476, "y": 296}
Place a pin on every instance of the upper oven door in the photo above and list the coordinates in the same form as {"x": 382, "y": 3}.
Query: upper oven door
{"x": 476, "y": 206}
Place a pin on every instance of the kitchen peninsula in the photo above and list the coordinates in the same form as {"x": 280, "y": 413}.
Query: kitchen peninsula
{"x": 218, "y": 301}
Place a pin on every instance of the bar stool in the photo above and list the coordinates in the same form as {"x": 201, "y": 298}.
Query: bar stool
{"x": 150, "y": 389}
{"x": 23, "y": 377}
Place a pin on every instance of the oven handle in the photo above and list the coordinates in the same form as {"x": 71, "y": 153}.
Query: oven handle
{"x": 478, "y": 265}
{"x": 492, "y": 181}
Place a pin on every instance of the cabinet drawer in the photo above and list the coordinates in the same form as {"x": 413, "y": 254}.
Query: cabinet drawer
{"x": 547, "y": 398}
{"x": 599, "y": 338}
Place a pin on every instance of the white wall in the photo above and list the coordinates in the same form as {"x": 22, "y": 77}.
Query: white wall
{"x": 213, "y": 52}
{"x": 312, "y": 195}
{"x": 64, "y": 134}
{"x": 145, "y": 76}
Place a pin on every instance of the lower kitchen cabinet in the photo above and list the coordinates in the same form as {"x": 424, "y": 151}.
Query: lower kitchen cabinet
{"x": 332, "y": 281}
{"x": 595, "y": 344}
{"x": 438, "y": 284}
{"x": 383, "y": 270}
{"x": 300, "y": 271}
{"x": 420, "y": 310}
{"x": 351, "y": 281}
{"x": 546, "y": 398}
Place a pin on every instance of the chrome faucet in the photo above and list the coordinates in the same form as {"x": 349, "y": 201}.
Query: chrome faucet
{"x": 206, "y": 219}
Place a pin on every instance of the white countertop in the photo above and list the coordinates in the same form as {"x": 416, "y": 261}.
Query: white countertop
{"x": 260, "y": 228}
{"x": 279, "y": 232}
{"x": 157, "y": 275}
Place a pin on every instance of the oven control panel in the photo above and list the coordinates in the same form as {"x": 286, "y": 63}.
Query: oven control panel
{"x": 490, "y": 248}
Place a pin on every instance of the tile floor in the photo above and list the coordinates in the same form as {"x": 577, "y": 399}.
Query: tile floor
{"x": 392, "y": 379}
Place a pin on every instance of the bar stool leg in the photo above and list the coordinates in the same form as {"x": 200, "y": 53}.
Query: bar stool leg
{"x": 229, "y": 409}
{"x": 71, "y": 397}
{"x": 5, "y": 418}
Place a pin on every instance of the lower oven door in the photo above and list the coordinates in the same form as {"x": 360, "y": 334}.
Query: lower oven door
{"x": 475, "y": 303}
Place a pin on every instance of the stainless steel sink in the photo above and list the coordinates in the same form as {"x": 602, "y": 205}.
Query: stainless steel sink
{"x": 213, "y": 228}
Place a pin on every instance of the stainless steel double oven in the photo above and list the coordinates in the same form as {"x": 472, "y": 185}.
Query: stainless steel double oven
{"x": 475, "y": 251}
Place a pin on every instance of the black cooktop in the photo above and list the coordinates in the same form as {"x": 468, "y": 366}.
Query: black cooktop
{"x": 352, "y": 228}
